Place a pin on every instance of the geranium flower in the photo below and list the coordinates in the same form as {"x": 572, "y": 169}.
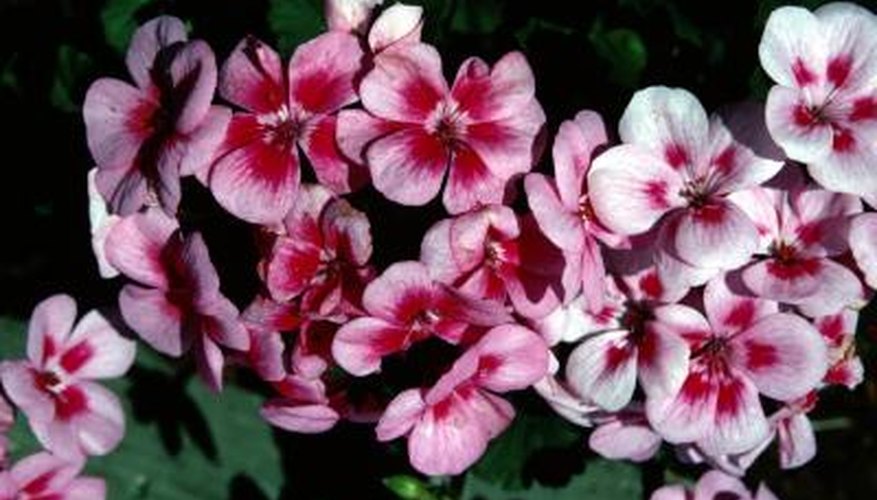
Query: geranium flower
{"x": 675, "y": 169}
{"x": 414, "y": 128}
{"x": 45, "y": 476}
{"x": 404, "y": 306}
{"x": 256, "y": 173}
{"x": 144, "y": 138}
{"x": 69, "y": 413}
{"x": 494, "y": 254}
{"x": 449, "y": 425}
{"x": 175, "y": 301}
{"x": 823, "y": 110}
{"x": 742, "y": 349}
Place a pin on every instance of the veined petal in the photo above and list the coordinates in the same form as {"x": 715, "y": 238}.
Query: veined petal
{"x": 135, "y": 246}
{"x": 95, "y": 350}
{"x": 797, "y": 442}
{"x": 575, "y": 146}
{"x": 398, "y": 23}
{"x": 360, "y": 344}
{"x": 401, "y": 415}
{"x": 192, "y": 75}
{"x": 470, "y": 183}
{"x": 662, "y": 360}
{"x": 253, "y": 178}
{"x": 150, "y": 39}
{"x": 116, "y": 122}
{"x": 849, "y": 166}
{"x": 332, "y": 168}
{"x": 622, "y": 440}
{"x": 252, "y": 77}
{"x": 794, "y": 128}
{"x": 669, "y": 123}
{"x": 729, "y": 312}
{"x": 717, "y": 235}
{"x": 863, "y": 243}
{"x": 603, "y": 369}
{"x": 356, "y": 130}
{"x": 406, "y": 85}
{"x": 688, "y": 415}
{"x": 782, "y": 354}
{"x": 50, "y": 325}
{"x": 510, "y": 357}
{"x": 848, "y": 32}
{"x": 497, "y": 93}
{"x": 510, "y": 145}
{"x": 790, "y": 50}
{"x": 322, "y": 72}
{"x": 740, "y": 424}
{"x": 408, "y": 166}
{"x": 630, "y": 189}
{"x": 156, "y": 320}
{"x": 555, "y": 219}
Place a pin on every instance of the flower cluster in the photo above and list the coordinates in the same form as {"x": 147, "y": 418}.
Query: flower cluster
{"x": 704, "y": 270}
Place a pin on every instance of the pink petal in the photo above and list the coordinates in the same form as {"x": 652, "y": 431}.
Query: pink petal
{"x": 603, "y": 369}
{"x": 805, "y": 281}
{"x": 510, "y": 357}
{"x": 253, "y": 179}
{"x": 620, "y": 440}
{"x": 848, "y": 167}
{"x": 357, "y": 130}
{"x": 497, "y": 94}
{"x": 202, "y": 145}
{"x": 150, "y": 39}
{"x": 436, "y": 253}
{"x": 560, "y": 225}
{"x": 840, "y": 288}
{"x": 783, "y": 355}
{"x": 209, "y": 362}
{"x": 305, "y": 418}
{"x": 401, "y": 415}
{"x": 565, "y": 403}
{"x": 790, "y": 51}
{"x": 398, "y": 23}
{"x": 349, "y": 15}
{"x": 863, "y": 244}
{"x": 575, "y": 146}
{"x": 95, "y": 350}
{"x": 135, "y": 246}
{"x": 293, "y": 264}
{"x": 114, "y": 114}
{"x": 157, "y": 321}
{"x": 406, "y": 85}
{"x": 387, "y": 296}
{"x": 511, "y": 145}
{"x": 322, "y": 71}
{"x": 252, "y": 77}
{"x": 332, "y": 168}
{"x": 848, "y": 30}
{"x": 715, "y": 484}
{"x": 662, "y": 361}
{"x": 193, "y": 78}
{"x": 674, "y": 492}
{"x": 50, "y": 325}
{"x": 102, "y": 427}
{"x": 717, "y": 235}
{"x": 631, "y": 189}
{"x": 265, "y": 356}
{"x": 347, "y": 231}
{"x": 797, "y": 442}
{"x": 86, "y": 488}
{"x": 733, "y": 164}
{"x": 43, "y": 473}
{"x": 740, "y": 424}
{"x": 688, "y": 415}
{"x": 407, "y": 166}
{"x": 23, "y": 390}
{"x": 470, "y": 183}
{"x": 730, "y": 312}
{"x": 669, "y": 123}
{"x": 101, "y": 223}
{"x": 360, "y": 344}
{"x": 792, "y": 127}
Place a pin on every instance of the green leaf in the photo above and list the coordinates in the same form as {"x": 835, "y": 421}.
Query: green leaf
{"x": 295, "y": 21}
{"x": 182, "y": 441}
{"x": 601, "y": 480}
{"x": 504, "y": 462}
{"x": 119, "y": 21}
{"x": 70, "y": 70}
{"x": 623, "y": 50}
{"x": 408, "y": 487}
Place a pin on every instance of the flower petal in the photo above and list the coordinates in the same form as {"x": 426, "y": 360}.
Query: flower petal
{"x": 322, "y": 71}
{"x": 510, "y": 357}
{"x": 150, "y": 39}
{"x": 95, "y": 350}
{"x": 403, "y": 413}
{"x": 790, "y": 50}
{"x": 398, "y": 23}
{"x": 408, "y": 166}
{"x": 406, "y": 85}
{"x": 603, "y": 369}
{"x": 115, "y": 116}
{"x": 304, "y": 418}
{"x": 50, "y": 325}
{"x": 791, "y": 125}
{"x": 575, "y": 145}
{"x": 135, "y": 247}
{"x": 333, "y": 170}
{"x": 252, "y": 77}
{"x": 863, "y": 243}
{"x": 156, "y": 320}
{"x": 717, "y": 235}
{"x": 360, "y": 344}
{"x": 470, "y": 183}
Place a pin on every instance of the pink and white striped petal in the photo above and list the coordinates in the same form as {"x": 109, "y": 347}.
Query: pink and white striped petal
{"x": 322, "y": 72}
{"x": 252, "y": 77}
{"x": 406, "y": 85}
{"x": 408, "y": 166}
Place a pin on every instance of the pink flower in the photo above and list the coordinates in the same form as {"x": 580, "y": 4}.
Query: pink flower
{"x": 626, "y": 435}
{"x": 839, "y": 332}
{"x": 175, "y": 302}
{"x": 744, "y": 348}
{"x": 713, "y": 485}
{"x": 823, "y": 110}
{"x": 449, "y": 425}
{"x": 144, "y": 138}
{"x": 256, "y": 172}
{"x": 405, "y": 306}
{"x": 493, "y": 254}
{"x": 322, "y": 256}
{"x": 45, "y": 476}
{"x": 414, "y": 128}
{"x": 633, "y": 343}
{"x": 562, "y": 208}
{"x": 802, "y": 230}
{"x": 70, "y": 414}
{"x": 675, "y": 170}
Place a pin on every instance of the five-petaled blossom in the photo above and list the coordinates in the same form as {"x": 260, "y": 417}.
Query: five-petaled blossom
{"x": 256, "y": 173}
{"x": 144, "y": 138}
{"x": 449, "y": 425}
{"x": 175, "y": 302}
{"x": 823, "y": 110}
{"x": 482, "y": 131}
{"x": 675, "y": 171}
{"x": 69, "y": 412}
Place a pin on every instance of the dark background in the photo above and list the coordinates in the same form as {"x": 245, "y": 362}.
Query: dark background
{"x": 185, "y": 443}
